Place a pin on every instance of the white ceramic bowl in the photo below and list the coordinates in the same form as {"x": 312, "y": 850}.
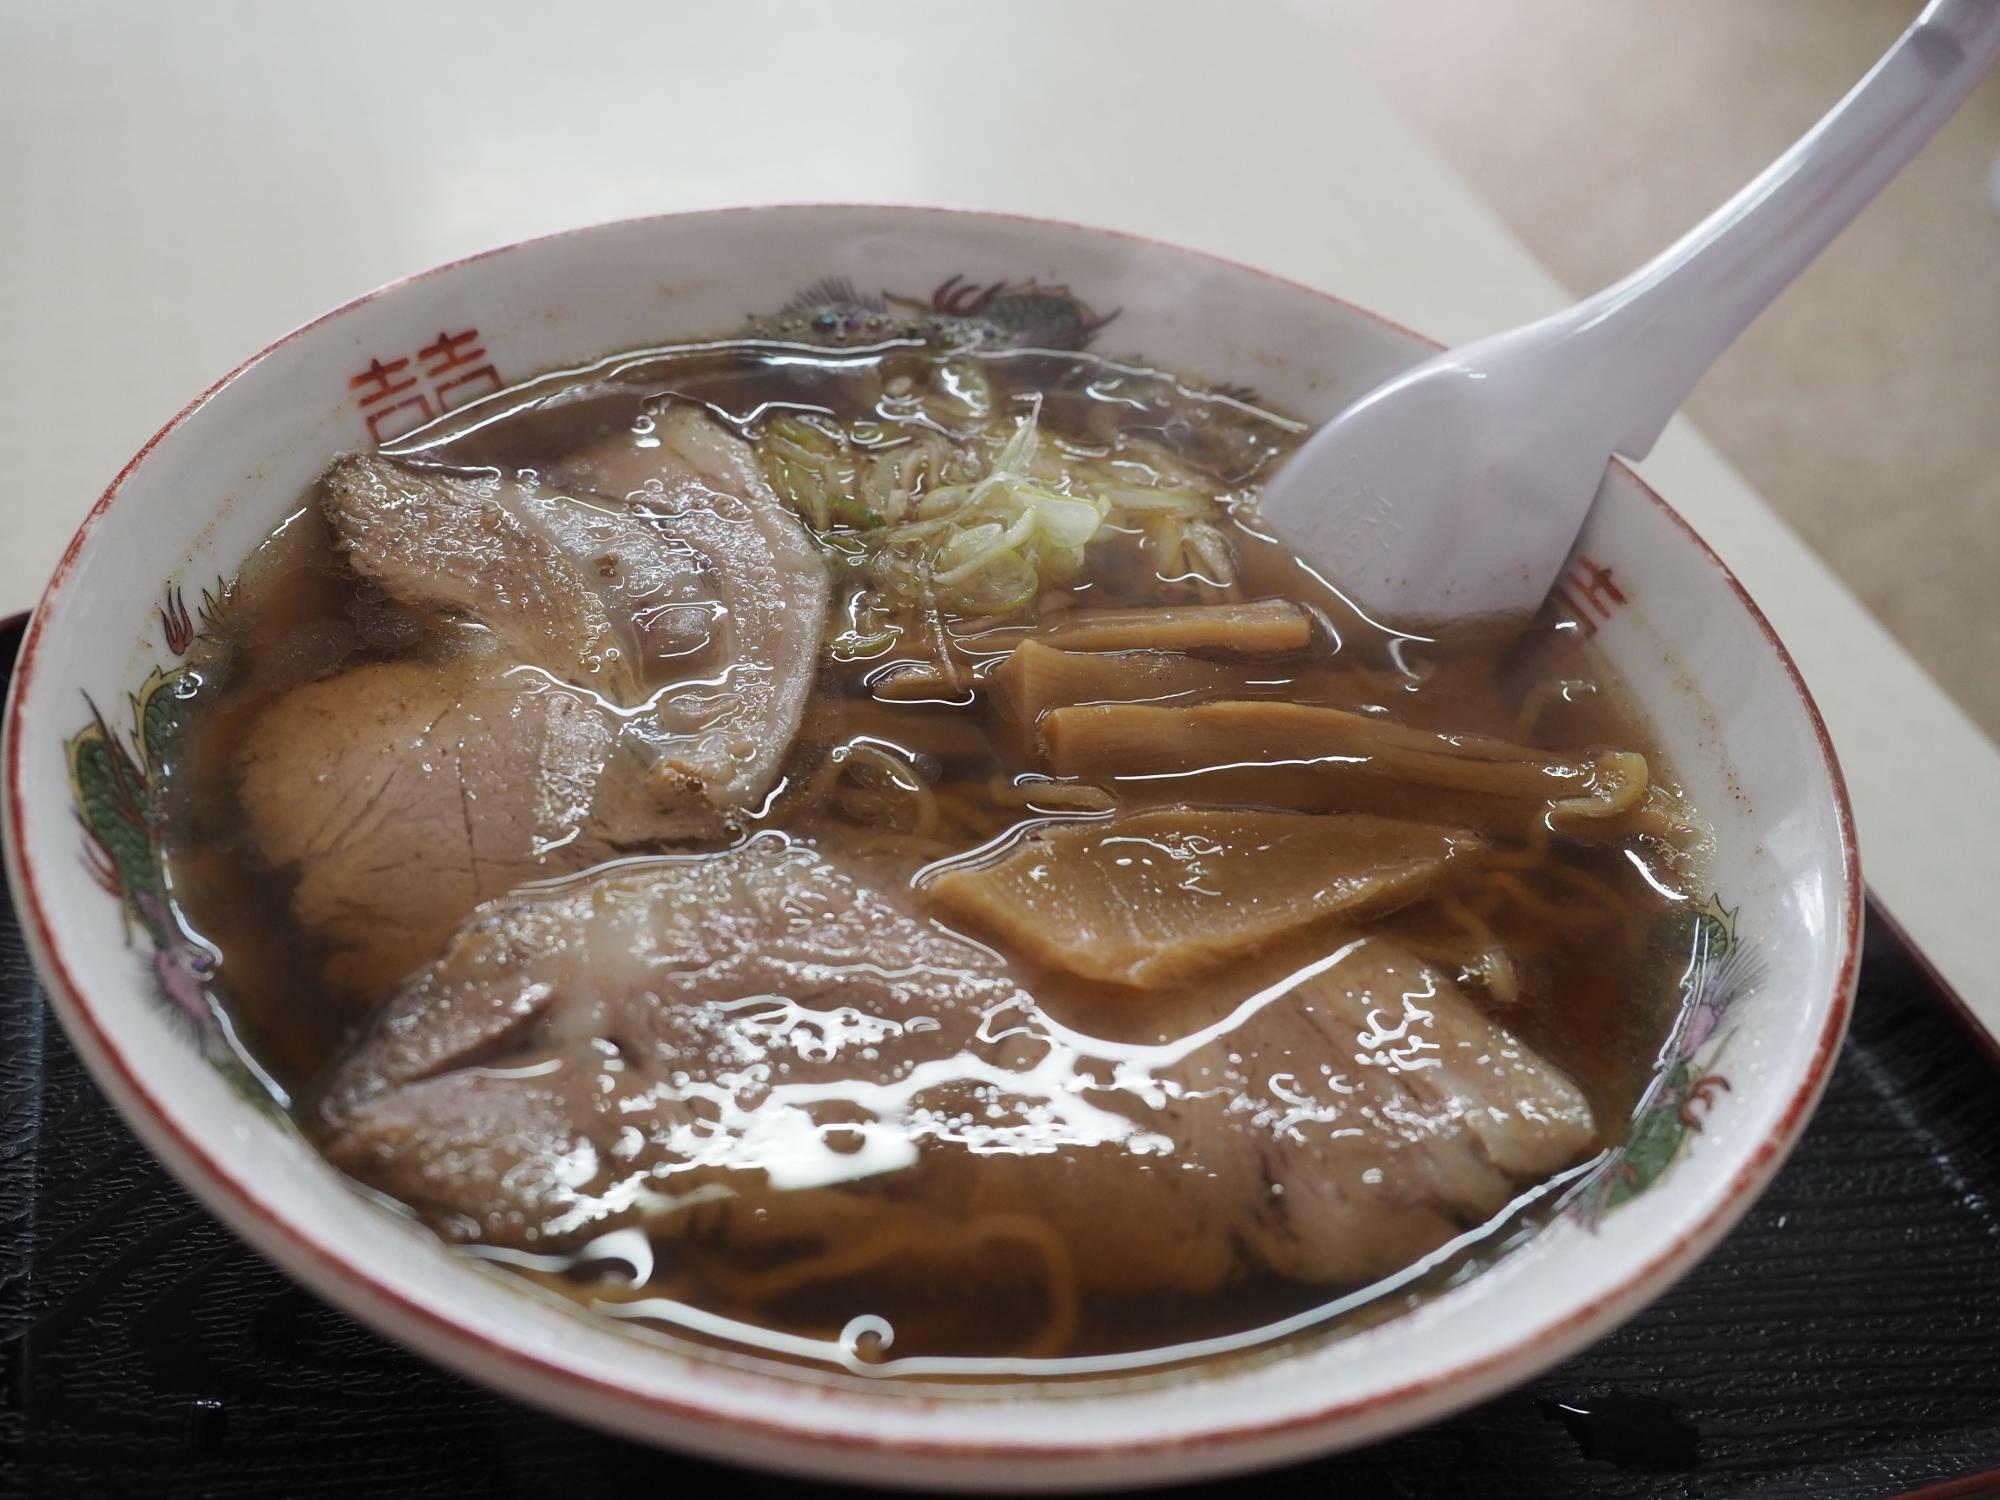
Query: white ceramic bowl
{"x": 1773, "y": 998}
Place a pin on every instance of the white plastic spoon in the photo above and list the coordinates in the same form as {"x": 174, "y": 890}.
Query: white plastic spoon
{"x": 1458, "y": 488}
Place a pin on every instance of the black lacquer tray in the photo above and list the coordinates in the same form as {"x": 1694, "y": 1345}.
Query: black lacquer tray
{"x": 1843, "y": 1341}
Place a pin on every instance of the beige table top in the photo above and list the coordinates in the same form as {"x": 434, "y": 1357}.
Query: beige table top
{"x": 183, "y": 183}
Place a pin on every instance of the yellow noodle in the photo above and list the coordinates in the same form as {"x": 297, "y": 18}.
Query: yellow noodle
{"x": 1469, "y": 922}
{"x": 1658, "y": 817}
{"x": 1547, "y": 911}
{"x": 1496, "y": 969}
{"x": 962, "y": 812}
{"x": 1486, "y": 898}
{"x": 825, "y": 777}
{"x": 906, "y": 1237}
{"x": 1540, "y": 699}
{"x": 902, "y": 775}
{"x": 1063, "y": 1292}
{"x": 922, "y": 1239}
{"x": 1534, "y": 859}
{"x": 1618, "y": 784}
{"x": 1616, "y": 904}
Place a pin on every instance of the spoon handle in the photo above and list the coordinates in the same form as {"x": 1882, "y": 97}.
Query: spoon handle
{"x": 1643, "y": 343}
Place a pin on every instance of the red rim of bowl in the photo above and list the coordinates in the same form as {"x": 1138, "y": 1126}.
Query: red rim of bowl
{"x": 1534, "y": 1352}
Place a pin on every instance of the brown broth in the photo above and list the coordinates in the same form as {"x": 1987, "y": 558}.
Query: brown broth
{"x": 1590, "y": 998}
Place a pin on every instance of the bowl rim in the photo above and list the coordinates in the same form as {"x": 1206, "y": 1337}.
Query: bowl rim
{"x": 238, "y": 1202}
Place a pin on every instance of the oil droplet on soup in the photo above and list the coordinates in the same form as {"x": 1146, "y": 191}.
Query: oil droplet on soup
{"x": 871, "y": 856}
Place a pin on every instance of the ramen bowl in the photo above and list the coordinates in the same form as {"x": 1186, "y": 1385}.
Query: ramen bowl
{"x": 1765, "y": 983}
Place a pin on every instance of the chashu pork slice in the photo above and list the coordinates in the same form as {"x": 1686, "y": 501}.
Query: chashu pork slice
{"x": 402, "y": 794}
{"x": 684, "y": 587}
{"x": 748, "y": 1020}
{"x": 746, "y": 1050}
{"x": 1366, "y": 1112}
{"x": 635, "y": 673}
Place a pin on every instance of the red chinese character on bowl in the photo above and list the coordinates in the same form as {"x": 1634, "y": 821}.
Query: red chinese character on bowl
{"x": 378, "y": 383}
{"x": 450, "y": 371}
{"x": 453, "y": 352}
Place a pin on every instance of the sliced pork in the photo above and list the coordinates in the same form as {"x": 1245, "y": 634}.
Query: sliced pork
{"x": 733, "y": 1049}
{"x": 634, "y": 670}
{"x": 674, "y": 580}
{"x": 403, "y": 794}
{"x": 764, "y": 603}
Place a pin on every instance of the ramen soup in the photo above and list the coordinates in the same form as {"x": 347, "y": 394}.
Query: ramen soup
{"x": 871, "y": 855}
